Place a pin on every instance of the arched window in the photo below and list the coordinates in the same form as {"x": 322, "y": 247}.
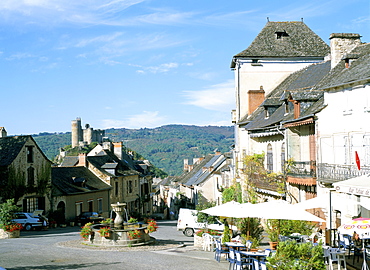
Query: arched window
{"x": 283, "y": 157}
{"x": 269, "y": 158}
{"x": 31, "y": 176}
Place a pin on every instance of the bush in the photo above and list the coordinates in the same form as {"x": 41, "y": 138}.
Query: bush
{"x": 7, "y": 211}
{"x": 297, "y": 256}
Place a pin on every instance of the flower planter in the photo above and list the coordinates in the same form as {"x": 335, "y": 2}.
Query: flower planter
{"x": 6, "y": 235}
{"x": 273, "y": 245}
{"x": 198, "y": 241}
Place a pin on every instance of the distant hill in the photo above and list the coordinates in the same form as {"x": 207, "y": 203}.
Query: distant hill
{"x": 165, "y": 147}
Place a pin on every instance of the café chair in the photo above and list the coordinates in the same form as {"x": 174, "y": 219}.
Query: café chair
{"x": 220, "y": 250}
{"x": 231, "y": 258}
{"x": 240, "y": 261}
{"x": 337, "y": 258}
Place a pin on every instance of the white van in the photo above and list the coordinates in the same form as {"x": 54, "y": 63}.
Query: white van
{"x": 187, "y": 223}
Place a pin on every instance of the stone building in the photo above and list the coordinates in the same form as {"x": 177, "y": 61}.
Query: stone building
{"x": 85, "y": 136}
{"x": 25, "y": 173}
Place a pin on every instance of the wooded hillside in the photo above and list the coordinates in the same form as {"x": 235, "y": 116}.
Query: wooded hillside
{"x": 165, "y": 147}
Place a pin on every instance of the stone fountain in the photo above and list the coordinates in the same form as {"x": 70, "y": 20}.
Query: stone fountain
{"x": 120, "y": 231}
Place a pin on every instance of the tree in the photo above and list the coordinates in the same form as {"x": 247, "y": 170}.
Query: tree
{"x": 7, "y": 213}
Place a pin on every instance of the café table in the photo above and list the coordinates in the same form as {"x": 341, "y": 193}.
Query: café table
{"x": 235, "y": 245}
{"x": 254, "y": 255}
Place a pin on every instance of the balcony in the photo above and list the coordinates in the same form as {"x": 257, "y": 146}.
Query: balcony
{"x": 332, "y": 173}
{"x": 303, "y": 169}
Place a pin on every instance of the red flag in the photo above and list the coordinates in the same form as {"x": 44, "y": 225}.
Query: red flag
{"x": 357, "y": 160}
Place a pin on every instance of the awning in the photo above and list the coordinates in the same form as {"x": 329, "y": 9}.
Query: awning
{"x": 263, "y": 134}
{"x": 357, "y": 186}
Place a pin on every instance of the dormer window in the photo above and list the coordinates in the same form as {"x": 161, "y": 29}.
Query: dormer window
{"x": 255, "y": 62}
{"x": 281, "y": 34}
{"x": 267, "y": 115}
{"x": 349, "y": 58}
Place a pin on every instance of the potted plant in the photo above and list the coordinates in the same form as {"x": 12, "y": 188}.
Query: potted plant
{"x": 135, "y": 234}
{"x": 107, "y": 221}
{"x": 86, "y": 231}
{"x": 272, "y": 229}
{"x": 152, "y": 225}
{"x": 105, "y": 232}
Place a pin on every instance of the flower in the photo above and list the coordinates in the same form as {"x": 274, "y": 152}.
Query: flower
{"x": 13, "y": 227}
{"x": 135, "y": 234}
{"x": 86, "y": 231}
{"x": 206, "y": 230}
{"x": 152, "y": 225}
{"x": 107, "y": 221}
{"x": 105, "y": 231}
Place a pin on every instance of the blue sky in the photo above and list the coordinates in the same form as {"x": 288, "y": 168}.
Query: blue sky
{"x": 138, "y": 63}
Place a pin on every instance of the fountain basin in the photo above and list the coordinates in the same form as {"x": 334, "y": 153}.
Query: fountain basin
{"x": 120, "y": 237}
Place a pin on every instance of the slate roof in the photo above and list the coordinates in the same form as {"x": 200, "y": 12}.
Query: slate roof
{"x": 63, "y": 180}
{"x": 359, "y": 69}
{"x": 297, "y": 40}
{"x": 11, "y": 146}
{"x": 69, "y": 161}
{"x": 298, "y": 86}
{"x": 203, "y": 172}
{"x": 108, "y": 161}
{"x": 186, "y": 176}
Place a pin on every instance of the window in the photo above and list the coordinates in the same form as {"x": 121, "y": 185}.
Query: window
{"x": 129, "y": 187}
{"x": 31, "y": 176}
{"x": 100, "y": 205}
{"x": 30, "y": 204}
{"x": 283, "y": 157}
{"x": 366, "y": 143}
{"x": 91, "y": 204}
{"x": 281, "y": 34}
{"x": 116, "y": 189}
{"x": 78, "y": 208}
{"x": 269, "y": 158}
{"x": 29, "y": 154}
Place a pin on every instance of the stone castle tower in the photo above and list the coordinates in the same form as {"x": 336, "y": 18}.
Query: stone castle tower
{"x": 85, "y": 136}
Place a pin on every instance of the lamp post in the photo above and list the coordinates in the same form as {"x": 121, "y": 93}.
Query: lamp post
{"x": 330, "y": 216}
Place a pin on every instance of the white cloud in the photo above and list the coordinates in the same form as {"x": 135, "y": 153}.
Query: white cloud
{"x": 57, "y": 11}
{"x": 98, "y": 39}
{"x": 163, "y": 68}
{"x": 20, "y": 56}
{"x": 145, "y": 119}
{"x": 219, "y": 97}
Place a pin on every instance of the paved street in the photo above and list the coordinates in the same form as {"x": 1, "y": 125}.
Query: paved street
{"x": 40, "y": 250}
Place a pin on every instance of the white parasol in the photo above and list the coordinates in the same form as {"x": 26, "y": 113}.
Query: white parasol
{"x": 229, "y": 209}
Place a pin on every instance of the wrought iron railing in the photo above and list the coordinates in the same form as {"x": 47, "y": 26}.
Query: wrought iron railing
{"x": 338, "y": 172}
{"x": 302, "y": 169}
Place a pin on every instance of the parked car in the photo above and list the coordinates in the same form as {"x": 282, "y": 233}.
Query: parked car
{"x": 31, "y": 220}
{"x": 86, "y": 217}
{"x": 188, "y": 223}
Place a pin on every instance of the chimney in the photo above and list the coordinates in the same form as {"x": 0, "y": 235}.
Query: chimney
{"x": 117, "y": 149}
{"x": 82, "y": 160}
{"x": 255, "y": 98}
{"x": 341, "y": 44}
{"x": 3, "y": 132}
{"x": 186, "y": 165}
